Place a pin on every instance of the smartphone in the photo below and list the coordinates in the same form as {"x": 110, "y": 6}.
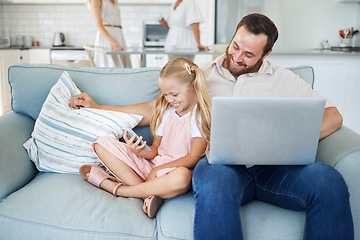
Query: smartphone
{"x": 131, "y": 133}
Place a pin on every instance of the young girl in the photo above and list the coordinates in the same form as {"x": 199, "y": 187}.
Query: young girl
{"x": 181, "y": 133}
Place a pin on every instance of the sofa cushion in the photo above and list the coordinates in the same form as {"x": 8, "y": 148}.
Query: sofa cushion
{"x": 64, "y": 206}
{"x": 62, "y": 137}
{"x": 260, "y": 220}
{"x": 305, "y": 72}
{"x": 108, "y": 86}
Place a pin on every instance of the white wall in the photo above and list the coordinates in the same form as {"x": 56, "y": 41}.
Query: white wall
{"x": 41, "y": 21}
{"x": 304, "y": 24}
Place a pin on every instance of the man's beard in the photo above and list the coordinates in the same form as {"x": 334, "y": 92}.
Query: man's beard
{"x": 236, "y": 72}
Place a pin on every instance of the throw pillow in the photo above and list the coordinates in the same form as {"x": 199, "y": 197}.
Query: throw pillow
{"x": 62, "y": 136}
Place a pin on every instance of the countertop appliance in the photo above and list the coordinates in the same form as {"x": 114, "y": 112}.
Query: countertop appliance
{"x": 59, "y": 39}
{"x": 154, "y": 34}
{"x": 4, "y": 42}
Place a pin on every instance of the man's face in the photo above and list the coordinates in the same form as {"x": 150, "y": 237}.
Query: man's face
{"x": 244, "y": 53}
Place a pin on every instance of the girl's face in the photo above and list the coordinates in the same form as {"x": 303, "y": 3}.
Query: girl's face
{"x": 180, "y": 95}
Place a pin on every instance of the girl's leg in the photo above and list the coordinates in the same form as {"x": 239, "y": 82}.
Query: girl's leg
{"x": 176, "y": 182}
{"x": 120, "y": 169}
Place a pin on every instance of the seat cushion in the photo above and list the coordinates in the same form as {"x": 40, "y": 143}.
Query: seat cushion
{"x": 260, "y": 220}
{"x": 64, "y": 206}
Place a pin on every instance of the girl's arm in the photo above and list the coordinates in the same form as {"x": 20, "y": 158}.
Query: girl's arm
{"x": 197, "y": 150}
{"x": 143, "y": 109}
{"x": 96, "y": 11}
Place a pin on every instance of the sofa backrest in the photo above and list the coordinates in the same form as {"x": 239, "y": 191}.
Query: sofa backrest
{"x": 31, "y": 83}
{"x": 305, "y": 72}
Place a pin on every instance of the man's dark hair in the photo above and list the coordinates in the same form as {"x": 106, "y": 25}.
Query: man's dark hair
{"x": 258, "y": 23}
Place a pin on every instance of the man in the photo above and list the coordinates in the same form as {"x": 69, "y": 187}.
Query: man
{"x": 221, "y": 190}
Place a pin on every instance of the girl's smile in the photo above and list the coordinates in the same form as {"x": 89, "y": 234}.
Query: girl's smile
{"x": 180, "y": 95}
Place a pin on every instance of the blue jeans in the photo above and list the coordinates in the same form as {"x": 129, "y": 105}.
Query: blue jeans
{"x": 317, "y": 189}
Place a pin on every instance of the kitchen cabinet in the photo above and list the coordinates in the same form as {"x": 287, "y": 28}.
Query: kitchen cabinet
{"x": 72, "y": 1}
{"x": 34, "y": 1}
{"x": 145, "y": 1}
{"x": 336, "y": 77}
{"x": 45, "y": 1}
{"x": 39, "y": 56}
{"x": 158, "y": 60}
{"x": 7, "y": 58}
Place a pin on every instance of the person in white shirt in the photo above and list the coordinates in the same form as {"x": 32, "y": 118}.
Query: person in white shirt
{"x": 110, "y": 36}
{"x": 183, "y": 25}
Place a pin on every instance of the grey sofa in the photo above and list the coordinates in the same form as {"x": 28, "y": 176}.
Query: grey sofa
{"x": 37, "y": 205}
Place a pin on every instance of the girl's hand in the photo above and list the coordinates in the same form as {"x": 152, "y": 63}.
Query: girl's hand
{"x": 135, "y": 147}
{"x": 82, "y": 100}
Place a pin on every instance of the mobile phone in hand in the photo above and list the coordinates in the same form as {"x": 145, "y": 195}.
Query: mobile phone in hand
{"x": 131, "y": 133}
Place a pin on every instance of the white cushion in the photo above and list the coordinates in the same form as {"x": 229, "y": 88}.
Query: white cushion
{"x": 62, "y": 136}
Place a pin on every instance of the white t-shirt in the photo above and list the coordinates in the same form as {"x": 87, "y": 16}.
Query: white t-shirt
{"x": 195, "y": 132}
{"x": 270, "y": 81}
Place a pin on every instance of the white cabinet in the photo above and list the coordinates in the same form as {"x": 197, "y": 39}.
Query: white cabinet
{"x": 7, "y": 58}
{"x": 45, "y": 1}
{"x": 145, "y": 1}
{"x": 34, "y": 1}
{"x": 72, "y": 1}
{"x": 156, "y": 60}
{"x": 337, "y": 77}
{"x": 39, "y": 56}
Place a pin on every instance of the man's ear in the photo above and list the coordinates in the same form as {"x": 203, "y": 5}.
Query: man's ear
{"x": 266, "y": 54}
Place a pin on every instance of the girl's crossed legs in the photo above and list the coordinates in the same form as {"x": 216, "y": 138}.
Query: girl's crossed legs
{"x": 176, "y": 182}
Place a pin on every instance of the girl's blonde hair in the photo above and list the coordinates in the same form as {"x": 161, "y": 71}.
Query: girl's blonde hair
{"x": 185, "y": 71}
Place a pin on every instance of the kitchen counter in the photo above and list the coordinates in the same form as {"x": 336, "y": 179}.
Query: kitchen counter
{"x": 293, "y": 52}
{"x": 157, "y": 51}
{"x": 44, "y": 47}
{"x": 315, "y": 52}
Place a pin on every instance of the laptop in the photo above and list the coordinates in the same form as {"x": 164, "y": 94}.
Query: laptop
{"x": 265, "y": 131}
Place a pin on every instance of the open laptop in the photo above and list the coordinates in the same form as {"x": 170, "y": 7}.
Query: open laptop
{"x": 265, "y": 131}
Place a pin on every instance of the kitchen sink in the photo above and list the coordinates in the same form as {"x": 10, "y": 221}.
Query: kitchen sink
{"x": 345, "y": 49}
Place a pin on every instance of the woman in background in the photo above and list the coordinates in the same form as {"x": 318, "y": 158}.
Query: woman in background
{"x": 183, "y": 25}
{"x": 107, "y": 19}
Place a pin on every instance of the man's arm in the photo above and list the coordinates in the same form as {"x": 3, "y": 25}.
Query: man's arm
{"x": 332, "y": 121}
{"x": 143, "y": 109}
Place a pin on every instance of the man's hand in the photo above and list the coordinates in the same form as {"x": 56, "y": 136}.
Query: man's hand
{"x": 83, "y": 100}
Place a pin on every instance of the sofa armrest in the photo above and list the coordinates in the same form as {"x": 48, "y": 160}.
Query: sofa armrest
{"x": 342, "y": 151}
{"x": 340, "y": 146}
{"x": 16, "y": 169}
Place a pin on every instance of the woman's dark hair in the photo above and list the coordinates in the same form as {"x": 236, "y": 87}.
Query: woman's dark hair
{"x": 258, "y": 23}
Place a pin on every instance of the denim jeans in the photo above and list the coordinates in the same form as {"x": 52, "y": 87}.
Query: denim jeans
{"x": 317, "y": 189}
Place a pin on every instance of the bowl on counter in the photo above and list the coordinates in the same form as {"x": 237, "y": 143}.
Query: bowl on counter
{"x": 4, "y": 42}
